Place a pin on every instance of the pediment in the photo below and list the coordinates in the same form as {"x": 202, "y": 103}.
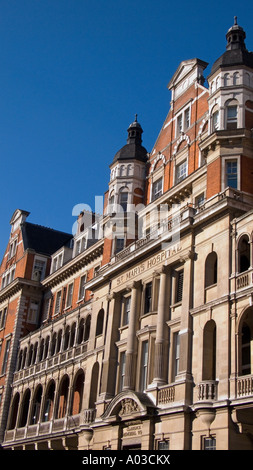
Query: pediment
{"x": 186, "y": 68}
{"x": 128, "y": 404}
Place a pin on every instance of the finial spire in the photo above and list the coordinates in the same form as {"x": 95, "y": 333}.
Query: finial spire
{"x": 235, "y": 20}
{"x": 136, "y": 117}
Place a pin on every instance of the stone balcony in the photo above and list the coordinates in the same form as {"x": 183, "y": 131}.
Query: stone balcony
{"x": 51, "y": 428}
{"x": 51, "y": 362}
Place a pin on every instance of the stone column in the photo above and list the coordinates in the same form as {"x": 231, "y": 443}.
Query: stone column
{"x": 186, "y": 320}
{"x": 129, "y": 382}
{"x": 109, "y": 365}
{"x": 161, "y": 337}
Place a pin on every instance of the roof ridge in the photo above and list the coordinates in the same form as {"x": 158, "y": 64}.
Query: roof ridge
{"x": 47, "y": 228}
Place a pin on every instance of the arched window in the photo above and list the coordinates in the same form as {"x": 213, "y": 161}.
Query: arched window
{"x": 30, "y": 355}
{"x": 24, "y": 358}
{"x": 123, "y": 199}
{"x": 36, "y": 405}
{"x": 49, "y": 402}
{"x": 63, "y": 398}
{"x": 246, "y": 350}
{"x": 35, "y": 352}
{"x": 231, "y": 108}
{"x": 226, "y": 79}
{"x": 25, "y": 408}
{"x": 46, "y": 347}
{"x": 66, "y": 338}
{"x": 111, "y": 200}
{"x": 209, "y": 351}
{"x": 80, "y": 331}
{"x": 41, "y": 349}
{"x": 245, "y": 346}
{"x": 14, "y": 411}
{"x": 100, "y": 322}
{"x": 78, "y": 388}
{"x": 72, "y": 335}
{"x": 59, "y": 340}
{"x": 211, "y": 269}
{"x": 215, "y": 119}
{"x": 20, "y": 360}
{"x": 87, "y": 328}
{"x": 53, "y": 345}
{"x": 94, "y": 386}
{"x": 236, "y": 78}
{"x": 243, "y": 254}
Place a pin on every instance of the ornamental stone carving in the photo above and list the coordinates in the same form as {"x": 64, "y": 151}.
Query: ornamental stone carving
{"x": 128, "y": 406}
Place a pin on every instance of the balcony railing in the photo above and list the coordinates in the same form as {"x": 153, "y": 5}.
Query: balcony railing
{"x": 166, "y": 395}
{"x": 51, "y": 362}
{"x": 207, "y": 390}
{"x": 244, "y": 280}
{"x": 52, "y": 427}
{"x": 245, "y": 386}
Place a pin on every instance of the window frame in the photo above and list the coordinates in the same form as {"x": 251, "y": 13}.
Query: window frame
{"x": 58, "y": 294}
{"x": 144, "y": 365}
{"x": 69, "y": 295}
{"x": 148, "y": 299}
{"x": 225, "y": 160}
{"x": 3, "y": 316}
{"x": 181, "y": 120}
{"x": 6, "y": 355}
{"x": 205, "y": 439}
{"x": 33, "y": 313}
{"x": 156, "y": 194}
{"x": 125, "y": 309}
{"x": 122, "y": 370}
{"x": 43, "y": 270}
{"x": 82, "y": 287}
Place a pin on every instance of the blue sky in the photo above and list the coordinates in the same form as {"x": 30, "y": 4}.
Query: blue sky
{"x": 73, "y": 74}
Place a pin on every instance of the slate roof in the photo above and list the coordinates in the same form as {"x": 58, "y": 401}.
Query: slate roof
{"x": 43, "y": 240}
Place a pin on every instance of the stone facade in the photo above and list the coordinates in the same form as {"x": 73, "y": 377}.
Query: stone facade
{"x": 142, "y": 337}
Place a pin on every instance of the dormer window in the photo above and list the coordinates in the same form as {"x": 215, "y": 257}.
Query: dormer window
{"x": 81, "y": 245}
{"x": 57, "y": 262}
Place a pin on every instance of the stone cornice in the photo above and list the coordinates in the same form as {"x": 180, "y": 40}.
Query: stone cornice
{"x": 74, "y": 264}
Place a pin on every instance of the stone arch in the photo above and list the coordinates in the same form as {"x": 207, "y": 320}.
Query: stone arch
{"x": 78, "y": 389}
{"x": 183, "y": 137}
{"x": 94, "y": 385}
{"x": 36, "y": 404}
{"x": 211, "y": 269}
{"x": 100, "y": 322}
{"x": 49, "y": 401}
{"x": 159, "y": 157}
{"x": 14, "y": 411}
{"x": 245, "y": 342}
{"x": 243, "y": 251}
{"x": 25, "y": 408}
{"x": 63, "y": 395}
